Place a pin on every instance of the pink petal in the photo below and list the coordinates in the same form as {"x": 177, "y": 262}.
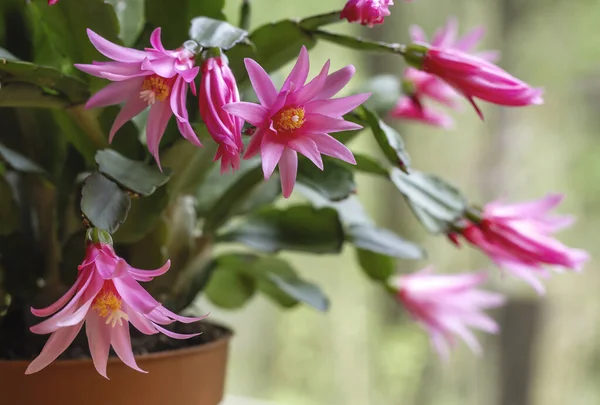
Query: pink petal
{"x": 308, "y": 92}
{"x": 270, "y": 154}
{"x": 308, "y": 148}
{"x": 299, "y": 72}
{"x": 56, "y": 344}
{"x": 164, "y": 67}
{"x": 118, "y": 71}
{"x": 148, "y": 275}
{"x": 156, "y": 42}
{"x": 261, "y": 82}
{"x": 175, "y": 335}
{"x": 320, "y": 124}
{"x": 255, "y": 114}
{"x": 132, "y": 107}
{"x": 135, "y": 295}
{"x": 467, "y": 42}
{"x": 255, "y": 142}
{"x": 338, "y": 106}
{"x": 98, "y": 335}
{"x": 288, "y": 169}
{"x": 139, "y": 321}
{"x": 335, "y": 82}
{"x": 330, "y": 146}
{"x": 417, "y": 34}
{"x": 115, "y": 93}
{"x": 113, "y": 51}
{"x": 121, "y": 342}
{"x": 60, "y": 302}
{"x": 180, "y": 318}
{"x": 158, "y": 118}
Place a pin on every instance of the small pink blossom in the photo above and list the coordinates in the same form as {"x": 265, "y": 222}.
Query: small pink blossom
{"x": 154, "y": 77}
{"x": 298, "y": 118}
{"x": 218, "y": 88}
{"x": 518, "y": 238}
{"x": 448, "y": 305}
{"x": 366, "y": 12}
{"x": 106, "y": 297}
{"x": 52, "y": 2}
{"x": 408, "y": 108}
{"x": 474, "y": 77}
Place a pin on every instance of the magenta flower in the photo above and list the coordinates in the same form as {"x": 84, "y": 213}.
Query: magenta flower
{"x": 52, "y": 2}
{"x": 218, "y": 88}
{"x": 447, "y": 305}
{"x": 154, "y": 77}
{"x": 106, "y": 297}
{"x": 518, "y": 238}
{"x": 366, "y": 12}
{"x": 409, "y": 108}
{"x": 298, "y": 118}
{"x": 474, "y": 77}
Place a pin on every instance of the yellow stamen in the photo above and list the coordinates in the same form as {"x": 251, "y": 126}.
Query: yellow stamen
{"x": 155, "y": 88}
{"x": 289, "y": 119}
{"x": 108, "y": 305}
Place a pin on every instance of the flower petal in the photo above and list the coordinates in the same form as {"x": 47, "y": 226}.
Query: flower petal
{"x": 114, "y": 51}
{"x": 176, "y": 335}
{"x": 319, "y": 124}
{"x": 261, "y": 82}
{"x": 121, "y": 342}
{"x": 98, "y": 335}
{"x": 49, "y": 310}
{"x": 135, "y": 295}
{"x": 270, "y": 153}
{"x": 148, "y": 275}
{"x": 308, "y": 148}
{"x": 115, "y": 93}
{"x": 330, "y": 146}
{"x": 56, "y": 344}
{"x": 253, "y": 113}
{"x": 288, "y": 169}
{"x": 337, "y": 107}
{"x": 299, "y": 72}
{"x": 132, "y": 107}
{"x": 335, "y": 82}
{"x": 158, "y": 118}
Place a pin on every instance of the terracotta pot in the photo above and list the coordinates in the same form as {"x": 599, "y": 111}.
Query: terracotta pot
{"x": 190, "y": 376}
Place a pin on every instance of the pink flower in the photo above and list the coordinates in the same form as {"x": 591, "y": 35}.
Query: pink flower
{"x": 154, "y": 77}
{"x": 218, "y": 87}
{"x": 447, "y": 305}
{"x": 473, "y": 77}
{"x": 106, "y": 297}
{"x": 421, "y": 85}
{"x": 518, "y": 238}
{"x": 52, "y": 2}
{"x": 298, "y": 118}
{"x": 366, "y": 12}
{"x": 408, "y": 108}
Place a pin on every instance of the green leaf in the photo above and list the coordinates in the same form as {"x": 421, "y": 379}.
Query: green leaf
{"x": 302, "y": 291}
{"x": 367, "y": 164}
{"x": 230, "y": 287}
{"x": 385, "y": 91}
{"x": 9, "y": 211}
{"x": 359, "y": 44}
{"x": 263, "y": 194}
{"x": 233, "y": 197}
{"x": 173, "y": 17}
{"x": 131, "y": 18}
{"x": 297, "y": 228}
{"x": 19, "y": 162}
{"x": 273, "y": 45}
{"x": 431, "y": 196}
{"x": 388, "y": 139}
{"x": 143, "y": 216}
{"x": 383, "y": 241}
{"x": 104, "y": 203}
{"x": 263, "y": 269}
{"x": 335, "y": 182}
{"x": 26, "y": 84}
{"x": 375, "y": 265}
{"x": 133, "y": 175}
{"x": 210, "y": 33}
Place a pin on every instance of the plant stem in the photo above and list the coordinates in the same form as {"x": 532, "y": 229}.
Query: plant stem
{"x": 319, "y": 20}
{"x": 245, "y": 14}
{"x": 45, "y": 202}
{"x": 360, "y": 43}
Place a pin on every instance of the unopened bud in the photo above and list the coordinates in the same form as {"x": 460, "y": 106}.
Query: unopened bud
{"x": 97, "y": 235}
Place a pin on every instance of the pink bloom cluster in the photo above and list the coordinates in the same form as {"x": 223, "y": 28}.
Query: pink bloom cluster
{"x": 518, "y": 238}
{"x": 106, "y": 297}
{"x": 448, "y": 305}
{"x": 298, "y": 118}
{"x": 366, "y": 12}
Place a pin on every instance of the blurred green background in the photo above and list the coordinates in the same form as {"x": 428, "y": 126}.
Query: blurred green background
{"x": 365, "y": 351}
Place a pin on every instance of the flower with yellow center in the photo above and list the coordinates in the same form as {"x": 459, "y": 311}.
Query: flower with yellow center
{"x": 155, "y": 88}
{"x": 108, "y": 305}
{"x": 289, "y": 119}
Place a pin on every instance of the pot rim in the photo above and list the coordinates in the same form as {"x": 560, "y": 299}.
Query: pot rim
{"x": 195, "y": 349}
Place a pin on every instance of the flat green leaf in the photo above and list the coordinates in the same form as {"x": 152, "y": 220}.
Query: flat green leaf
{"x": 133, "y": 175}
{"x": 298, "y": 228}
{"x": 230, "y": 286}
{"x": 211, "y": 33}
{"x": 173, "y": 18}
{"x": 273, "y": 45}
{"x": 367, "y": 164}
{"x": 264, "y": 194}
{"x": 131, "y": 18}
{"x": 104, "y": 203}
{"x": 335, "y": 182}
{"x": 383, "y": 241}
{"x": 143, "y": 216}
{"x": 9, "y": 211}
{"x": 431, "y": 195}
{"x": 19, "y": 162}
{"x": 302, "y": 291}
{"x": 263, "y": 269}
{"x": 376, "y": 266}
{"x": 26, "y": 84}
{"x": 388, "y": 139}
